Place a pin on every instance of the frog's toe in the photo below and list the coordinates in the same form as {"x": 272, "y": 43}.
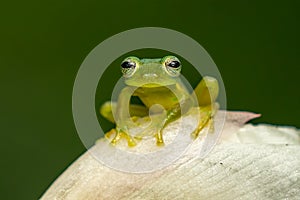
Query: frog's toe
{"x": 110, "y": 133}
{"x": 159, "y": 139}
{"x": 122, "y": 135}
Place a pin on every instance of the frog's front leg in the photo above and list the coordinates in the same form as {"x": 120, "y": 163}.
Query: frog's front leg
{"x": 157, "y": 116}
{"x": 171, "y": 115}
{"x": 122, "y": 117}
{"x": 160, "y": 116}
{"x": 206, "y": 92}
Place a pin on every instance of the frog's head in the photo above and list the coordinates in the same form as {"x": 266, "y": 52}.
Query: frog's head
{"x": 151, "y": 72}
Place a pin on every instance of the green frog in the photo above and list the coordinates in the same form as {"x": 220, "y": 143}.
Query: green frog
{"x": 157, "y": 82}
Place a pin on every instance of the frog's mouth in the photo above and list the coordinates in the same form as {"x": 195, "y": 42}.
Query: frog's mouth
{"x": 149, "y": 84}
{"x": 152, "y": 85}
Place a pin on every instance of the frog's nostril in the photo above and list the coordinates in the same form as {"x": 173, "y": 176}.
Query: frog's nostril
{"x": 150, "y": 76}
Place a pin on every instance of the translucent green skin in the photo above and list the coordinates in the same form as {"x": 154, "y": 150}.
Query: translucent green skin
{"x": 155, "y": 83}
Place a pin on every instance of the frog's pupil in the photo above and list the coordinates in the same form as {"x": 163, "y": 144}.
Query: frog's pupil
{"x": 127, "y": 64}
{"x": 174, "y": 64}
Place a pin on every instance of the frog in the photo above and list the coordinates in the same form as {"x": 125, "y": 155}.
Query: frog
{"x": 156, "y": 81}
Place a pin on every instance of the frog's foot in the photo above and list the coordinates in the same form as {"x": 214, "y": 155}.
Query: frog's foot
{"x": 119, "y": 134}
{"x": 110, "y": 133}
{"x": 204, "y": 121}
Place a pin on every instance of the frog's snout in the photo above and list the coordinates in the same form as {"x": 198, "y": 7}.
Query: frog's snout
{"x": 147, "y": 76}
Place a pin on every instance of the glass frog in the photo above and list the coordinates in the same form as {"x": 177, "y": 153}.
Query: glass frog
{"x": 157, "y": 81}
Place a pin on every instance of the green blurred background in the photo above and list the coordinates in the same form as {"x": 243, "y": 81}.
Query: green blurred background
{"x": 255, "y": 44}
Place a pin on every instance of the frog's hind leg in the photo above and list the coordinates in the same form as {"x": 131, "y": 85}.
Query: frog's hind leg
{"x": 206, "y": 92}
{"x": 106, "y": 111}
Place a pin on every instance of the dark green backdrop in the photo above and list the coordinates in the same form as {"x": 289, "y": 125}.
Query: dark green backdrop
{"x": 254, "y": 43}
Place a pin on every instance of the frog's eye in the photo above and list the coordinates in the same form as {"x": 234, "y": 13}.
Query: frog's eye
{"x": 173, "y": 66}
{"x": 127, "y": 64}
{"x": 128, "y": 68}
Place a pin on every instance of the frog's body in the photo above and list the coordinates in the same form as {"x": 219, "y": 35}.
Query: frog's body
{"x": 158, "y": 95}
{"x": 156, "y": 81}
